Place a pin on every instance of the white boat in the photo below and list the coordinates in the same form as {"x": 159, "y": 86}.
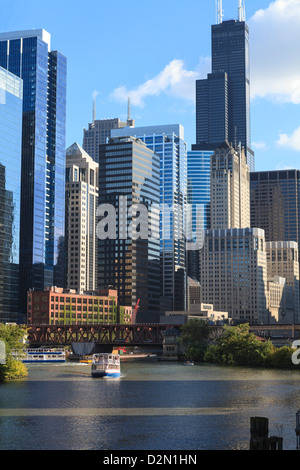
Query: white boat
{"x": 188, "y": 363}
{"x": 106, "y": 365}
{"x": 43, "y": 355}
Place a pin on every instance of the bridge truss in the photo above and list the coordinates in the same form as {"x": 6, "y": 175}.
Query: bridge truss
{"x": 100, "y": 334}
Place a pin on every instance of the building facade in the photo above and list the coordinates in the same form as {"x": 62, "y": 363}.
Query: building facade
{"x": 98, "y": 132}
{"x": 82, "y": 179}
{"x": 275, "y": 204}
{"x": 55, "y": 306}
{"x": 198, "y": 198}
{"x": 128, "y": 227}
{"x": 11, "y": 97}
{"x": 223, "y": 98}
{"x": 28, "y": 55}
{"x": 283, "y": 261}
{"x": 230, "y": 189}
{"x": 167, "y": 141}
{"x": 234, "y": 273}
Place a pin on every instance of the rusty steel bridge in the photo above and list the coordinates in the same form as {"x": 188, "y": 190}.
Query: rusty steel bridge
{"x": 136, "y": 334}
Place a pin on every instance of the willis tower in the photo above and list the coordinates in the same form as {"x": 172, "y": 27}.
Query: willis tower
{"x": 223, "y": 98}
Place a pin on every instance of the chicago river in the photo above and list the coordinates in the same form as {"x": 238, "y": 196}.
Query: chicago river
{"x": 152, "y": 406}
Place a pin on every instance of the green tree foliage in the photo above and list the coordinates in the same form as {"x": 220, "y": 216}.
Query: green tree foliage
{"x": 194, "y": 336}
{"x": 281, "y": 358}
{"x": 237, "y": 346}
{"x": 13, "y": 337}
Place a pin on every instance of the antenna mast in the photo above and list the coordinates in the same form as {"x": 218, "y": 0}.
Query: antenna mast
{"x": 94, "y": 109}
{"x": 219, "y": 11}
{"x": 129, "y": 109}
{"x": 242, "y": 10}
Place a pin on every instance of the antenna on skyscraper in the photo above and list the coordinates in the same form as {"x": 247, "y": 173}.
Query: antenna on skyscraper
{"x": 94, "y": 108}
{"x": 129, "y": 109}
{"x": 242, "y": 10}
{"x": 219, "y": 11}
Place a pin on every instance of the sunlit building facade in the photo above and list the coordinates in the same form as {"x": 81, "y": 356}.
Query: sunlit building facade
{"x": 28, "y": 55}
{"x": 198, "y": 198}
{"x": 234, "y": 273}
{"x": 81, "y": 242}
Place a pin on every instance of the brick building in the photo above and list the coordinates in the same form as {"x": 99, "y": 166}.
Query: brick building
{"x": 56, "y": 306}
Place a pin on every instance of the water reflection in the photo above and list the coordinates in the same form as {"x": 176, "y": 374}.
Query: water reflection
{"x": 155, "y": 406}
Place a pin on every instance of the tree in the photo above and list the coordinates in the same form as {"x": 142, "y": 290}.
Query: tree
{"x": 281, "y": 358}
{"x": 194, "y": 336}
{"x": 13, "y": 338}
{"x": 238, "y": 346}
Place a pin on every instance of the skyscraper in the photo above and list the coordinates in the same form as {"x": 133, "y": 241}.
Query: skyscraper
{"x": 167, "y": 141}
{"x": 11, "y": 96}
{"x": 234, "y": 273}
{"x": 81, "y": 205}
{"x": 128, "y": 228}
{"x": 230, "y": 189}
{"x": 223, "y": 98}
{"x": 99, "y": 131}
{"x": 198, "y": 197}
{"x": 97, "y": 134}
{"x": 283, "y": 261}
{"x": 275, "y": 204}
{"x": 28, "y": 55}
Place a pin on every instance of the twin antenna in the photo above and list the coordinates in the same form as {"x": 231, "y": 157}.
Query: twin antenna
{"x": 128, "y": 109}
{"x": 220, "y": 12}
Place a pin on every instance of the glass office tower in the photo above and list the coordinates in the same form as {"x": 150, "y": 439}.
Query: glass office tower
{"x": 168, "y": 142}
{"x": 129, "y": 259}
{"x": 223, "y": 99}
{"x": 198, "y": 197}
{"x": 11, "y": 96}
{"x": 27, "y": 54}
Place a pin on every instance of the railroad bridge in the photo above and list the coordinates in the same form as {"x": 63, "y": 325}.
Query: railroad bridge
{"x": 136, "y": 334}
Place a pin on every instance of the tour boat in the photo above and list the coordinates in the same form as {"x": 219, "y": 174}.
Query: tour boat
{"x": 43, "y": 355}
{"x": 106, "y": 365}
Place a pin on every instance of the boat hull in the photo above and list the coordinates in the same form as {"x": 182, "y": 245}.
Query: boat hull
{"x": 105, "y": 374}
{"x": 43, "y": 361}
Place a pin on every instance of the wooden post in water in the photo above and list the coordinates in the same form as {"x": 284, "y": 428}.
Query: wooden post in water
{"x": 260, "y": 439}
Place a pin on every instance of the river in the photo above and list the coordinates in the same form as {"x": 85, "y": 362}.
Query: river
{"x": 152, "y": 406}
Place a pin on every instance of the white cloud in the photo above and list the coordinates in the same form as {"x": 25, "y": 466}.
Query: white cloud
{"x": 291, "y": 141}
{"x": 274, "y": 49}
{"x": 174, "y": 79}
{"x": 275, "y": 64}
{"x": 259, "y": 145}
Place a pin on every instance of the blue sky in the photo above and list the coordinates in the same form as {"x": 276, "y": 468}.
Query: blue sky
{"x": 155, "y": 51}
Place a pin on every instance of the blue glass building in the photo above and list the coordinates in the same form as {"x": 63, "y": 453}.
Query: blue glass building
{"x": 198, "y": 197}
{"x": 27, "y": 54}
{"x": 11, "y": 95}
{"x": 168, "y": 142}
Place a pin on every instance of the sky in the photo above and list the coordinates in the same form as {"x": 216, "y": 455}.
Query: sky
{"x": 155, "y": 51}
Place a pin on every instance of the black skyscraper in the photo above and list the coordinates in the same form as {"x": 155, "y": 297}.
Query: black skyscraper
{"x": 223, "y": 98}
